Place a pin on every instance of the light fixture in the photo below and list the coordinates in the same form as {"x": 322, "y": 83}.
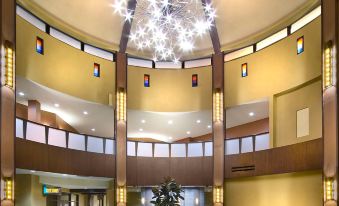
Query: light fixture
{"x": 251, "y": 114}
{"x": 85, "y": 112}
{"x": 32, "y": 171}
{"x": 8, "y": 188}
{"x": 188, "y": 132}
{"x": 209, "y": 126}
{"x": 121, "y": 194}
{"x": 170, "y": 122}
{"x": 329, "y": 189}
{"x": 93, "y": 129}
{"x": 143, "y": 121}
{"x": 143, "y": 201}
{"x": 328, "y": 66}
{"x": 167, "y": 28}
{"x": 141, "y": 130}
{"x": 196, "y": 201}
{"x": 9, "y": 65}
{"x": 56, "y": 105}
{"x": 170, "y": 138}
{"x": 218, "y": 102}
{"x": 198, "y": 121}
{"x": 121, "y": 105}
{"x": 218, "y": 194}
{"x": 21, "y": 94}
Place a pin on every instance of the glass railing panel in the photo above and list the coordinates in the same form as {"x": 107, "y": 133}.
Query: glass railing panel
{"x": 19, "y": 129}
{"x": 178, "y": 150}
{"x": 36, "y": 133}
{"x": 232, "y": 146}
{"x": 194, "y": 150}
{"x": 57, "y": 137}
{"x": 76, "y": 141}
{"x": 246, "y": 144}
{"x": 109, "y": 146}
{"x": 131, "y": 148}
{"x": 95, "y": 144}
{"x": 161, "y": 150}
{"x": 262, "y": 142}
{"x": 145, "y": 150}
{"x": 208, "y": 149}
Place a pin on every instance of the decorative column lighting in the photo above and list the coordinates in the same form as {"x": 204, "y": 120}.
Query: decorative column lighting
{"x": 8, "y": 189}
{"x": 218, "y": 195}
{"x": 328, "y": 66}
{"x": 121, "y": 194}
{"x": 218, "y": 102}
{"x": 9, "y": 65}
{"x": 329, "y": 189}
{"x": 121, "y": 105}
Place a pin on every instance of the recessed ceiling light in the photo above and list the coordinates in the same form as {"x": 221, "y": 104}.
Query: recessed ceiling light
{"x": 32, "y": 171}
{"x": 64, "y": 175}
{"x": 251, "y": 114}
{"x": 198, "y": 121}
{"x": 56, "y": 105}
{"x": 209, "y": 126}
{"x": 85, "y": 112}
{"x": 93, "y": 129}
{"x": 188, "y": 132}
{"x": 143, "y": 121}
{"x": 170, "y": 122}
{"x": 21, "y": 94}
{"x": 141, "y": 130}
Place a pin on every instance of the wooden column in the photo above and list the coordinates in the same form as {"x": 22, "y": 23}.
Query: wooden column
{"x": 218, "y": 127}
{"x": 121, "y": 125}
{"x": 330, "y": 97}
{"x": 34, "y": 111}
{"x": 7, "y": 96}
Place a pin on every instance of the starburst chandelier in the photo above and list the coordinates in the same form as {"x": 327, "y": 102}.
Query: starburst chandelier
{"x": 167, "y": 28}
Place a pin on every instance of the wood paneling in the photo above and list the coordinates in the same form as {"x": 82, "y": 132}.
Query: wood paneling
{"x": 36, "y": 156}
{"x": 293, "y": 158}
{"x": 188, "y": 171}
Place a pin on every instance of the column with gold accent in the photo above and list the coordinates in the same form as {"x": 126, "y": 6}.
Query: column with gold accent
{"x": 7, "y": 101}
{"x": 121, "y": 128}
{"x": 218, "y": 128}
{"x": 330, "y": 100}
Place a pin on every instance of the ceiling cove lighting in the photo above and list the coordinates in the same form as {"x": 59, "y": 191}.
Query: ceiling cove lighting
{"x": 329, "y": 189}
{"x": 218, "y": 102}
{"x": 9, "y": 65}
{"x": 121, "y": 105}
{"x": 168, "y": 28}
{"x": 328, "y": 66}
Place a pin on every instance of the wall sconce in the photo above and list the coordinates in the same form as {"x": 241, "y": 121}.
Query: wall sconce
{"x": 218, "y": 194}
{"x": 9, "y": 65}
{"x": 121, "y": 104}
{"x": 218, "y": 106}
{"x": 329, "y": 189}
{"x": 121, "y": 194}
{"x": 8, "y": 188}
{"x": 328, "y": 66}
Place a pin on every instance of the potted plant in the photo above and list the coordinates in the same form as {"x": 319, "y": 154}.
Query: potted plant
{"x": 167, "y": 194}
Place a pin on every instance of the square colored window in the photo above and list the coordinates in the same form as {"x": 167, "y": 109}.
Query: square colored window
{"x": 300, "y": 45}
{"x": 96, "y": 71}
{"x": 39, "y": 45}
{"x": 244, "y": 69}
{"x": 194, "y": 80}
{"x": 146, "y": 80}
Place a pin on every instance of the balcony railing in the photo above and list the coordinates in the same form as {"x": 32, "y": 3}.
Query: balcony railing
{"x": 247, "y": 144}
{"x": 52, "y": 136}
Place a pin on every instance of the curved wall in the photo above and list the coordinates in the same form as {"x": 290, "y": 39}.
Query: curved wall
{"x": 62, "y": 67}
{"x": 170, "y": 90}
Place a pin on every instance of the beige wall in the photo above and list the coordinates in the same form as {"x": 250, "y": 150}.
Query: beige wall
{"x": 62, "y": 67}
{"x": 302, "y": 189}
{"x": 170, "y": 90}
{"x": 28, "y": 191}
{"x": 286, "y": 106}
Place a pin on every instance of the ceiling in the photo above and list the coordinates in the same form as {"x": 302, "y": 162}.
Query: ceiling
{"x": 239, "y": 22}
{"x": 164, "y": 126}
